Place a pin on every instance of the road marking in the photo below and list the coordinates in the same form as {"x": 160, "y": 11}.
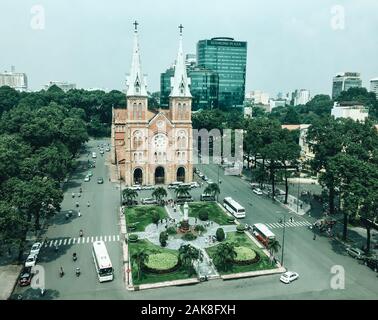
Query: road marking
{"x": 51, "y": 242}
{"x": 60, "y": 242}
{"x": 78, "y": 240}
{"x": 105, "y": 238}
{"x": 100, "y": 238}
{"x": 69, "y": 241}
{"x": 92, "y": 239}
{"x": 74, "y": 240}
{"x": 117, "y": 237}
{"x": 56, "y": 242}
{"x": 113, "y": 238}
{"x": 87, "y": 239}
{"x": 64, "y": 242}
{"x": 96, "y": 238}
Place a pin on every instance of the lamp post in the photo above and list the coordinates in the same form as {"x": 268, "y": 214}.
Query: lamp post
{"x": 119, "y": 179}
{"x": 299, "y": 183}
{"x": 283, "y": 239}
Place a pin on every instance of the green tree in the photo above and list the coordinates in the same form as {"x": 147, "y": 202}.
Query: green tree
{"x": 140, "y": 258}
{"x": 187, "y": 255}
{"x": 159, "y": 194}
{"x": 273, "y": 247}
{"x": 182, "y": 191}
{"x": 129, "y": 195}
{"x": 212, "y": 189}
{"x": 163, "y": 237}
{"x": 220, "y": 235}
{"x": 225, "y": 255}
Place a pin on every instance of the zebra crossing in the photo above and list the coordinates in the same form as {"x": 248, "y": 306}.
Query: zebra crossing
{"x": 288, "y": 224}
{"x": 81, "y": 240}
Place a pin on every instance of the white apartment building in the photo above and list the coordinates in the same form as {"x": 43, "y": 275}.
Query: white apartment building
{"x": 301, "y": 97}
{"x": 15, "y": 80}
{"x": 65, "y": 86}
{"x": 374, "y": 86}
{"x": 356, "y": 112}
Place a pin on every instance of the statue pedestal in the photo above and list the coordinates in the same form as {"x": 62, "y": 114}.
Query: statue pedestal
{"x": 184, "y": 226}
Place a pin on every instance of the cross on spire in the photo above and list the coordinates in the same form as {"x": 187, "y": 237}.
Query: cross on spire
{"x": 181, "y": 27}
{"x": 136, "y": 25}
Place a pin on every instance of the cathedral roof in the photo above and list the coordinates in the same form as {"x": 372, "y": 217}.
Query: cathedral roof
{"x": 180, "y": 81}
{"x": 136, "y": 83}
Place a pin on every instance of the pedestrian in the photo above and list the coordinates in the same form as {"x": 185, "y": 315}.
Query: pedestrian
{"x": 79, "y": 213}
{"x": 196, "y": 221}
{"x": 314, "y": 238}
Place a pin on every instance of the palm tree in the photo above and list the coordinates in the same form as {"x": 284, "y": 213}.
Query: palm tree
{"x": 212, "y": 189}
{"x": 129, "y": 195}
{"x": 187, "y": 255}
{"x": 225, "y": 255}
{"x": 140, "y": 258}
{"x": 159, "y": 193}
{"x": 273, "y": 246}
{"x": 182, "y": 191}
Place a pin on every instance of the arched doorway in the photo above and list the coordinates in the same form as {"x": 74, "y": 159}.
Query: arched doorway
{"x": 138, "y": 176}
{"x": 159, "y": 175}
{"x": 180, "y": 176}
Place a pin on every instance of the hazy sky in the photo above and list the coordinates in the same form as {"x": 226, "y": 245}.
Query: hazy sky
{"x": 291, "y": 44}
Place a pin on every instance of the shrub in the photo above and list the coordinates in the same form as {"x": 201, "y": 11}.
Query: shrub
{"x": 171, "y": 230}
{"x": 133, "y": 237}
{"x": 131, "y": 226}
{"x": 189, "y": 236}
{"x": 240, "y": 228}
{"x": 162, "y": 263}
{"x": 199, "y": 228}
{"x": 203, "y": 215}
{"x": 230, "y": 219}
{"x": 220, "y": 234}
{"x": 163, "y": 237}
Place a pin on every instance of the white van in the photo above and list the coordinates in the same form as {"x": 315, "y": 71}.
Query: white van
{"x": 94, "y": 155}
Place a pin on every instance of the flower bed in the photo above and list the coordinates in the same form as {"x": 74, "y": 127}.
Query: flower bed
{"x": 161, "y": 263}
{"x": 245, "y": 256}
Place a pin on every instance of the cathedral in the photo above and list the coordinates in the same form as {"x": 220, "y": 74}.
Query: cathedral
{"x": 153, "y": 147}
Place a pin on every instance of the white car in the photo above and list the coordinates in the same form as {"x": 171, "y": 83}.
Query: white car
{"x": 87, "y": 178}
{"x": 289, "y": 276}
{"x": 31, "y": 260}
{"x": 195, "y": 184}
{"x": 35, "y": 248}
{"x": 257, "y": 191}
{"x": 136, "y": 187}
{"x": 148, "y": 187}
{"x": 149, "y": 201}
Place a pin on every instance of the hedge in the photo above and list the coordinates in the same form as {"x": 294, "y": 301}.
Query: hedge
{"x": 133, "y": 237}
{"x": 240, "y": 228}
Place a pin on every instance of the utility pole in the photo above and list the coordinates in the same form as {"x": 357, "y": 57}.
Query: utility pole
{"x": 283, "y": 241}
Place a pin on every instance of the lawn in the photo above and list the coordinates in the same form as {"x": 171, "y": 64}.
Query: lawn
{"x": 150, "y": 248}
{"x": 141, "y": 216}
{"x": 216, "y": 214}
{"x": 242, "y": 240}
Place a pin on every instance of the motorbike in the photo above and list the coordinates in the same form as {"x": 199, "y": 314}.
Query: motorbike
{"x": 61, "y": 273}
{"x": 88, "y": 204}
{"x": 78, "y": 272}
{"x": 74, "y": 257}
{"x": 81, "y": 233}
{"x": 77, "y": 204}
{"x": 73, "y": 195}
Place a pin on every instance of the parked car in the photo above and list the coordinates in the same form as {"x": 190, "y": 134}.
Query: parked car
{"x": 131, "y": 203}
{"x": 107, "y": 149}
{"x": 100, "y": 180}
{"x": 137, "y": 187}
{"x": 257, "y": 191}
{"x": 25, "y": 276}
{"x": 174, "y": 185}
{"x": 180, "y": 200}
{"x": 356, "y": 253}
{"x": 289, "y": 276}
{"x": 90, "y": 173}
{"x": 31, "y": 260}
{"x": 195, "y": 184}
{"x": 205, "y": 178}
{"x": 87, "y": 178}
{"x": 35, "y": 248}
{"x": 148, "y": 187}
{"x": 149, "y": 201}
{"x": 372, "y": 263}
{"x": 210, "y": 181}
{"x": 200, "y": 174}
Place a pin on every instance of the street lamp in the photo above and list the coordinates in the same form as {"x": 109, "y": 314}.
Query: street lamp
{"x": 283, "y": 238}
{"x": 299, "y": 183}
{"x": 119, "y": 179}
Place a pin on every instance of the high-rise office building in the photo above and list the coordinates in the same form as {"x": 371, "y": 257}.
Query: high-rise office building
{"x": 15, "y": 80}
{"x": 228, "y": 58}
{"x": 344, "y": 81}
{"x": 203, "y": 87}
{"x": 374, "y": 86}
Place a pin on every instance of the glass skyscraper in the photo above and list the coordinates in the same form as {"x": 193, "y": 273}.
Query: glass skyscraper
{"x": 344, "y": 81}
{"x": 228, "y": 58}
{"x": 203, "y": 87}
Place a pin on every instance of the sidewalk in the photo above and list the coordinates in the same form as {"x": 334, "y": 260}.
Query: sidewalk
{"x": 8, "y": 279}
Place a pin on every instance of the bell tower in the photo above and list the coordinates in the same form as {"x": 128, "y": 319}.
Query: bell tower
{"x": 136, "y": 94}
{"x": 180, "y": 98}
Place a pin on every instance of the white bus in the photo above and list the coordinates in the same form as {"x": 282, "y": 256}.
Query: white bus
{"x": 234, "y": 208}
{"x": 102, "y": 261}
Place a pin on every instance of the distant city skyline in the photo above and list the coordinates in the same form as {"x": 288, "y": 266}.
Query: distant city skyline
{"x": 290, "y": 45}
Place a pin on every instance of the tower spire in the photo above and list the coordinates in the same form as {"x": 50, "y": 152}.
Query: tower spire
{"x": 180, "y": 81}
{"x": 136, "y": 84}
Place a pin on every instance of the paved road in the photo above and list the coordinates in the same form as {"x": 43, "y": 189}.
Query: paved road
{"x": 312, "y": 259}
